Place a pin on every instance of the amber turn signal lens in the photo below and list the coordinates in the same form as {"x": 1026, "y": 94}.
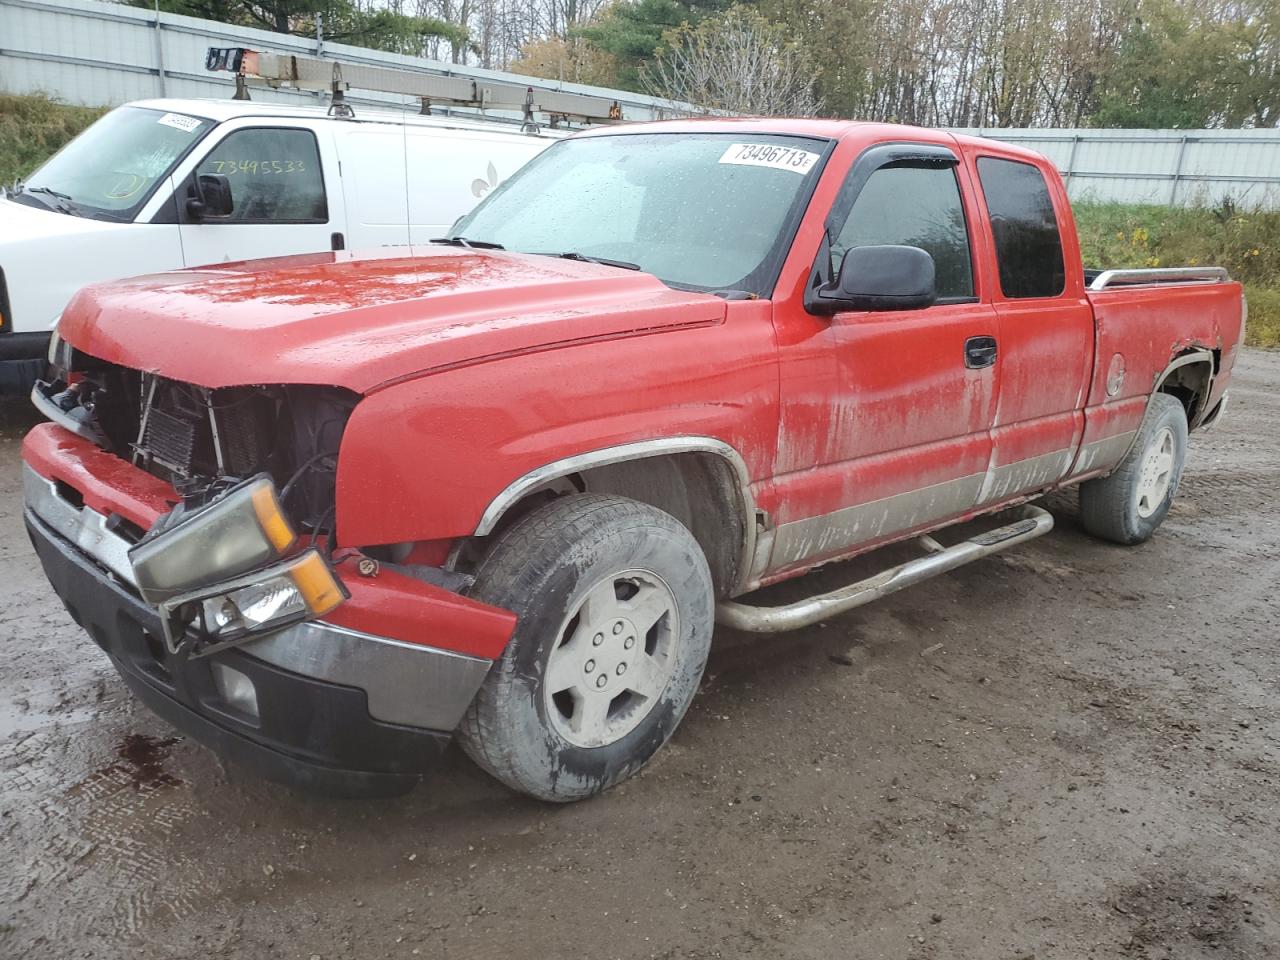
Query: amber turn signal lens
{"x": 316, "y": 583}
{"x": 271, "y": 518}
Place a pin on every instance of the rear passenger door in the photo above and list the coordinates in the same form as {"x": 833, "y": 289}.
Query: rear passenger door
{"x": 1045, "y": 342}
{"x": 285, "y": 191}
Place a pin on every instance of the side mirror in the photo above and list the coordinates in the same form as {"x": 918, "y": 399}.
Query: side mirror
{"x": 210, "y": 197}
{"x": 884, "y": 277}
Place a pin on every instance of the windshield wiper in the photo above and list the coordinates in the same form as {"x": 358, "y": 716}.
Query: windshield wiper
{"x": 586, "y": 258}
{"x": 464, "y": 242}
{"x": 64, "y": 202}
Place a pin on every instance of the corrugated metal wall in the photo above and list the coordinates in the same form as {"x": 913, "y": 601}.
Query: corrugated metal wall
{"x": 104, "y": 54}
{"x": 1182, "y": 167}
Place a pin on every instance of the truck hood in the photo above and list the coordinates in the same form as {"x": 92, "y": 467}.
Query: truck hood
{"x": 363, "y": 321}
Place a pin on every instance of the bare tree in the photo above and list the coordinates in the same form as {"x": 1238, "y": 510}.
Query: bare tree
{"x": 498, "y": 30}
{"x": 738, "y": 63}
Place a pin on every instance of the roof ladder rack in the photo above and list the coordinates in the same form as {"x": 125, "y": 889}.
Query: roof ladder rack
{"x": 259, "y": 68}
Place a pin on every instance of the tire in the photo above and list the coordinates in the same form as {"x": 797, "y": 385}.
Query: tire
{"x": 587, "y": 574}
{"x": 1130, "y": 504}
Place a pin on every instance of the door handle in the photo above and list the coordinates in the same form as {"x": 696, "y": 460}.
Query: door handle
{"x": 979, "y": 352}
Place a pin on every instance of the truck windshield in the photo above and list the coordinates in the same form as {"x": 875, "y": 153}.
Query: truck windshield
{"x": 110, "y": 170}
{"x": 698, "y": 211}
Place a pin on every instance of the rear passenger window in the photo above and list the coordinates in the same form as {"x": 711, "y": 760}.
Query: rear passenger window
{"x": 914, "y": 207}
{"x": 274, "y": 174}
{"x": 1028, "y": 242}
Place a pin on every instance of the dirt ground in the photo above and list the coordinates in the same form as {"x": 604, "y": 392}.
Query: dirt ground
{"x": 1067, "y": 751}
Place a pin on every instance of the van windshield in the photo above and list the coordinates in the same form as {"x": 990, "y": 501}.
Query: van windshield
{"x": 698, "y": 211}
{"x": 110, "y": 170}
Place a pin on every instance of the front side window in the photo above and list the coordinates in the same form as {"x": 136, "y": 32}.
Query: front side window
{"x": 913, "y": 206}
{"x": 699, "y": 211}
{"x": 1028, "y": 242}
{"x": 274, "y": 174}
{"x": 110, "y": 170}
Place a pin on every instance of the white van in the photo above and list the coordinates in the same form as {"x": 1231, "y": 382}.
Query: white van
{"x": 161, "y": 184}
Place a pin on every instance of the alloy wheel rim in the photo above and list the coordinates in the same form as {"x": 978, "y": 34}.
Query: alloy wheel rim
{"x": 613, "y": 658}
{"x": 1155, "y": 475}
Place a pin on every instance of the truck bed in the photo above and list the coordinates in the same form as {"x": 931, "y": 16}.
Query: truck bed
{"x": 1145, "y": 319}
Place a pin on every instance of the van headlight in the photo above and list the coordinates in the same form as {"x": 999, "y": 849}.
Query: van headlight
{"x": 59, "y": 352}
{"x": 240, "y": 531}
{"x": 302, "y": 588}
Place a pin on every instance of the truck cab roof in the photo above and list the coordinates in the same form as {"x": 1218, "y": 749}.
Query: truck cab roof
{"x": 861, "y": 130}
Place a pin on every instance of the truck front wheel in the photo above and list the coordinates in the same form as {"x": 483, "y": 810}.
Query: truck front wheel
{"x": 1130, "y": 503}
{"x": 616, "y": 612}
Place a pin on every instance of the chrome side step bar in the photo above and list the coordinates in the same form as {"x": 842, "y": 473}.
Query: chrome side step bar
{"x": 1031, "y": 522}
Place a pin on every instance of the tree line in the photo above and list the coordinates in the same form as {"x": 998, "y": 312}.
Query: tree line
{"x": 989, "y": 63}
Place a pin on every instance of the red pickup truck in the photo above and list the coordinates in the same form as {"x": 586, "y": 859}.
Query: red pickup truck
{"x": 325, "y": 513}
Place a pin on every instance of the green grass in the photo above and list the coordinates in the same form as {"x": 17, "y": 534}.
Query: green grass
{"x": 33, "y": 128}
{"x": 1263, "y": 329}
{"x": 1246, "y": 242}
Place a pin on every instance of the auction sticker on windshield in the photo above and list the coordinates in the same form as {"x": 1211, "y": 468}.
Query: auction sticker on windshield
{"x": 770, "y": 155}
{"x": 186, "y": 124}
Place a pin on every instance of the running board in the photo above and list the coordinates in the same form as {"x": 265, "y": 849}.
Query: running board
{"x": 1032, "y": 522}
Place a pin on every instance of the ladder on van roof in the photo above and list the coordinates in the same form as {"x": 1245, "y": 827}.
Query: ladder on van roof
{"x": 260, "y": 68}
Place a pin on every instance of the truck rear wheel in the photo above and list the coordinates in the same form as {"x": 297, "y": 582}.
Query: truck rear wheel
{"x": 616, "y": 612}
{"x": 1128, "y": 505}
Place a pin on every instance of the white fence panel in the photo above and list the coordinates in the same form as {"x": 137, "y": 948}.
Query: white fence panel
{"x": 1179, "y": 167}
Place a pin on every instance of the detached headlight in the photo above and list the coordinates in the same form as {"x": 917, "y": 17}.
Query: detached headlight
{"x": 238, "y": 532}
{"x": 299, "y": 589}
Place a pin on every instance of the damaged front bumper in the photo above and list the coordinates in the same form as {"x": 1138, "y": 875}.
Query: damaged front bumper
{"x": 352, "y": 705}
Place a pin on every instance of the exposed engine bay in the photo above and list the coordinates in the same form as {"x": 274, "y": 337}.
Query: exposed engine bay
{"x": 204, "y": 441}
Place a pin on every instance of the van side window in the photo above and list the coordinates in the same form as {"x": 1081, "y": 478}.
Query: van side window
{"x": 274, "y": 173}
{"x": 913, "y": 206}
{"x": 1028, "y": 242}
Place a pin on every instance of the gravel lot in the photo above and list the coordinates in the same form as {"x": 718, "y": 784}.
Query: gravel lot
{"x": 1069, "y": 750}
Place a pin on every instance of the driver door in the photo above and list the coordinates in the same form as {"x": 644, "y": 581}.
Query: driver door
{"x": 910, "y": 396}
{"x": 285, "y": 191}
